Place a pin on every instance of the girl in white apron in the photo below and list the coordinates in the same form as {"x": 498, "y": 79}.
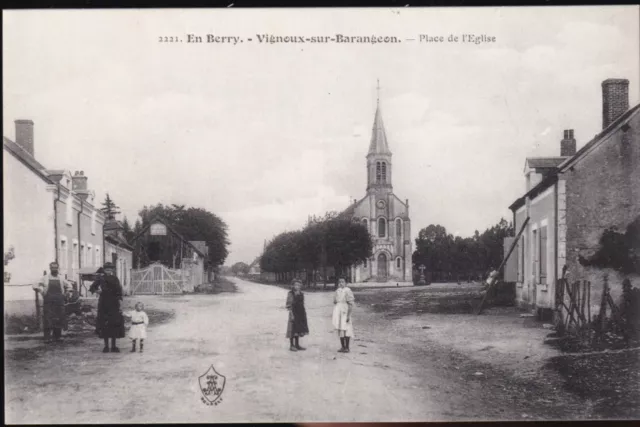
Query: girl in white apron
{"x": 139, "y": 323}
{"x": 342, "y": 321}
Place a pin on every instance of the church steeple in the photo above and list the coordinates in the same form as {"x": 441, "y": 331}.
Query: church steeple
{"x": 379, "y": 156}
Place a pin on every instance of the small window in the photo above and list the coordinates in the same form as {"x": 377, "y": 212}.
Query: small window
{"x": 75, "y": 256}
{"x": 378, "y": 172}
{"x": 384, "y": 172}
{"x": 365, "y": 222}
{"x": 382, "y": 227}
{"x": 63, "y": 256}
{"x": 70, "y": 210}
{"x": 398, "y": 263}
{"x": 534, "y": 251}
{"x": 543, "y": 255}
{"x": 93, "y": 222}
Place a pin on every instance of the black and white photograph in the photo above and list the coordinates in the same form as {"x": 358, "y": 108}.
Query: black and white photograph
{"x": 321, "y": 215}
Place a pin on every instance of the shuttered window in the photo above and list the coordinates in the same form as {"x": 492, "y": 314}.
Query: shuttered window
{"x": 543, "y": 255}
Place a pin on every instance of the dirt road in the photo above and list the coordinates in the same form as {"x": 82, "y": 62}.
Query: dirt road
{"x": 390, "y": 375}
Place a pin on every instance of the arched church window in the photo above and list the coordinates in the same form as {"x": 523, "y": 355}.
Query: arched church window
{"x": 378, "y": 172}
{"x": 382, "y": 227}
{"x": 384, "y": 172}
{"x": 398, "y": 263}
{"x": 399, "y": 228}
{"x": 365, "y": 222}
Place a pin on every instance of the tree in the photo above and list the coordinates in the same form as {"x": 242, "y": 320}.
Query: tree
{"x": 109, "y": 208}
{"x": 330, "y": 240}
{"x": 193, "y": 224}
{"x": 129, "y": 234}
{"x": 240, "y": 268}
{"x": 449, "y": 258}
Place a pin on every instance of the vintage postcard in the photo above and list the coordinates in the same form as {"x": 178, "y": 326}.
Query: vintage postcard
{"x": 321, "y": 215}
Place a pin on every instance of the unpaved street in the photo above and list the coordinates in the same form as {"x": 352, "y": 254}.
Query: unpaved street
{"x": 390, "y": 375}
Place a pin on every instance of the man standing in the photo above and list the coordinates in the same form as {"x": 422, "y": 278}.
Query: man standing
{"x": 53, "y": 288}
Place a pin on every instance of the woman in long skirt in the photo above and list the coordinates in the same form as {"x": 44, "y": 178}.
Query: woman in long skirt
{"x": 110, "y": 321}
{"x": 342, "y": 321}
{"x": 297, "y": 325}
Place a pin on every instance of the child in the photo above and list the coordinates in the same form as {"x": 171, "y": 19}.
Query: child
{"x": 342, "y": 322}
{"x": 139, "y": 322}
{"x": 297, "y": 325}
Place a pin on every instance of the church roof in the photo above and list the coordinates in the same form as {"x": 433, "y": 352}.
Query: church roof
{"x": 378, "y": 143}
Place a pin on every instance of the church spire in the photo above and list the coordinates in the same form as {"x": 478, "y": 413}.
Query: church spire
{"x": 379, "y": 155}
{"x": 378, "y": 143}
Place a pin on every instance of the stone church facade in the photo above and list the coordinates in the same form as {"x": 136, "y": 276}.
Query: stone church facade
{"x": 384, "y": 214}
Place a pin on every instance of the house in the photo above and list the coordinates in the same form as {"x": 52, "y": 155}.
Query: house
{"x": 571, "y": 199}
{"x": 118, "y": 252}
{"x": 160, "y": 243}
{"x": 254, "y": 268}
{"x": 49, "y": 215}
{"x": 28, "y": 220}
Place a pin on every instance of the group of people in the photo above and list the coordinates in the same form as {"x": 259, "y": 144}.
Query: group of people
{"x": 297, "y": 326}
{"x": 110, "y": 323}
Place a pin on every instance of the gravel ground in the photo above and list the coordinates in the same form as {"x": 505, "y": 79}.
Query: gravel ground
{"x": 410, "y": 361}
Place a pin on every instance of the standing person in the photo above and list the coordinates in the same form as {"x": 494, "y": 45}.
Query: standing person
{"x": 297, "y": 326}
{"x": 53, "y": 289}
{"x": 109, "y": 322}
{"x": 139, "y": 323}
{"x": 342, "y": 322}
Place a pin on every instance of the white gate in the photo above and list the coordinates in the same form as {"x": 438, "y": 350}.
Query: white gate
{"x": 156, "y": 279}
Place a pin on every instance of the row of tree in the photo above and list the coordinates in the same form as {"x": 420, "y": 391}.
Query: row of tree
{"x": 192, "y": 223}
{"x": 447, "y": 258}
{"x": 329, "y": 241}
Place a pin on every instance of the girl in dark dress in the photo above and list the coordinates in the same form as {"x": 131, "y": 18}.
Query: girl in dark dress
{"x": 110, "y": 321}
{"x": 297, "y": 326}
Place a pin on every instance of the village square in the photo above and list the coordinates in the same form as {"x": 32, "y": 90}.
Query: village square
{"x": 174, "y": 281}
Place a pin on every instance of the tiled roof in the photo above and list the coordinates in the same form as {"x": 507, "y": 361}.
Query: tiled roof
{"x": 26, "y": 158}
{"x": 545, "y": 162}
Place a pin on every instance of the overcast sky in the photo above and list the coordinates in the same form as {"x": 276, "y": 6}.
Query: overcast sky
{"x": 265, "y": 134}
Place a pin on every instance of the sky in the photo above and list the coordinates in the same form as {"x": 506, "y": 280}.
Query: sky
{"x": 264, "y": 135}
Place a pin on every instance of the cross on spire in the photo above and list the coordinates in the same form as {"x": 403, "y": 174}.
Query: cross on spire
{"x": 378, "y": 91}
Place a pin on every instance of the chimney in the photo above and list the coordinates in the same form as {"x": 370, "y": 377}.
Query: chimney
{"x": 24, "y": 135}
{"x": 568, "y": 144}
{"x": 79, "y": 181}
{"x": 615, "y": 100}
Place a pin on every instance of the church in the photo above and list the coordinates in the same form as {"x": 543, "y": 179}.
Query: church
{"x": 384, "y": 214}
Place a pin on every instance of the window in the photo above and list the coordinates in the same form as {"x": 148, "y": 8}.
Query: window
{"x": 521, "y": 260}
{"x": 74, "y": 256}
{"x": 384, "y": 172}
{"x": 93, "y": 222}
{"x": 378, "y": 172}
{"x": 90, "y": 257}
{"x": 398, "y": 263}
{"x": 399, "y": 228}
{"x": 534, "y": 252}
{"x": 382, "y": 227}
{"x": 365, "y": 222}
{"x": 63, "y": 256}
{"x": 70, "y": 210}
{"x": 543, "y": 255}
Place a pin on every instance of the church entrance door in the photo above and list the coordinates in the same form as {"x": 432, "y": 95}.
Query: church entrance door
{"x": 382, "y": 267}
